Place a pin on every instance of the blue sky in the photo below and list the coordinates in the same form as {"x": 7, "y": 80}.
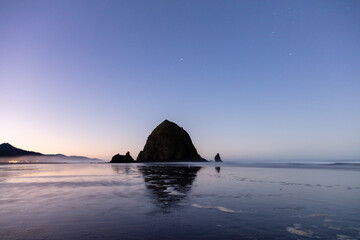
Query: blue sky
{"x": 253, "y": 80}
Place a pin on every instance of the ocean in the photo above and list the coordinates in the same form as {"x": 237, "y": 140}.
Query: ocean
{"x": 180, "y": 201}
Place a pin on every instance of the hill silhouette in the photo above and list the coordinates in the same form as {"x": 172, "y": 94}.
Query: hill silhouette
{"x": 7, "y": 150}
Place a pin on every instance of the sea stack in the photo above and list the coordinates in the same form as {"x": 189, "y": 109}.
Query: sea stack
{"x": 122, "y": 158}
{"x": 169, "y": 143}
{"x": 218, "y": 158}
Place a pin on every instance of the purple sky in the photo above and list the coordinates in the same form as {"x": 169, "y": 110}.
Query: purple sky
{"x": 264, "y": 80}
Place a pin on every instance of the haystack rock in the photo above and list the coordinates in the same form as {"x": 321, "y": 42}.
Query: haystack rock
{"x": 218, "y": 158}
{"x": 122, "y": 158}
{"x": 169, "y": 143}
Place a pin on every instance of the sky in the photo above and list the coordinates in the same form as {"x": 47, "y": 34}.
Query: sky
{"x": 252, "y": 80}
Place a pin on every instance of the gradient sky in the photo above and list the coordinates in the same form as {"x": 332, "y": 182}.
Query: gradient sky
{"x": 276, "y": 80}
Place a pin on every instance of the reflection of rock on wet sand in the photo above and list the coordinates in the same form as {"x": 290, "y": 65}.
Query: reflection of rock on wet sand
{"x": 123, "y": 169}
{"x": 169, "y": 184}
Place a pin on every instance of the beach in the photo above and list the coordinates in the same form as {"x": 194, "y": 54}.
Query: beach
{"x": 177, "y": 201}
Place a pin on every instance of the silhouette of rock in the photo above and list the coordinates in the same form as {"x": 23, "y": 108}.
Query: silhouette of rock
{"x": 217, "y": 169}
{"x": 218, "y": 158}
{"x": 7, "y": 150}
{"x": 169, "y": 143}
{"x": 122, "y": 158}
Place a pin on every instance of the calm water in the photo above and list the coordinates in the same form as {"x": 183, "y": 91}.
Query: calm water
{"x": 208, "y": 201}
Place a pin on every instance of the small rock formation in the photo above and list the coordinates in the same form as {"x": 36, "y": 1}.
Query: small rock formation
{"x": 169, "y": 143}
{"x": 122, "y": 158}
{"x": 218, "y": 158}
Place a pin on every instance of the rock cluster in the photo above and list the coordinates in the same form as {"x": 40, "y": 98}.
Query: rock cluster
{"x": 122, "y": 158}
{"x": 167, "y": 143}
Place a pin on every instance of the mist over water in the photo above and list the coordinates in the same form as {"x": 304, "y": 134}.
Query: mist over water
{"x": 52, "y": 159}
{"x": 177, "y": 201}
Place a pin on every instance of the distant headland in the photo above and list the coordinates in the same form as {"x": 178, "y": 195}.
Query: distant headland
{"x": 9, "y": 151}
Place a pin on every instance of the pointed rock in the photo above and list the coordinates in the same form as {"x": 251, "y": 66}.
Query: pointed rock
{"x": 218, "y": 158}
{"x": 169, "y": 143}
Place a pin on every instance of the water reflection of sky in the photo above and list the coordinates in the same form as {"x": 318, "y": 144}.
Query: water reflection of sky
{"x": 92, "y": 201}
